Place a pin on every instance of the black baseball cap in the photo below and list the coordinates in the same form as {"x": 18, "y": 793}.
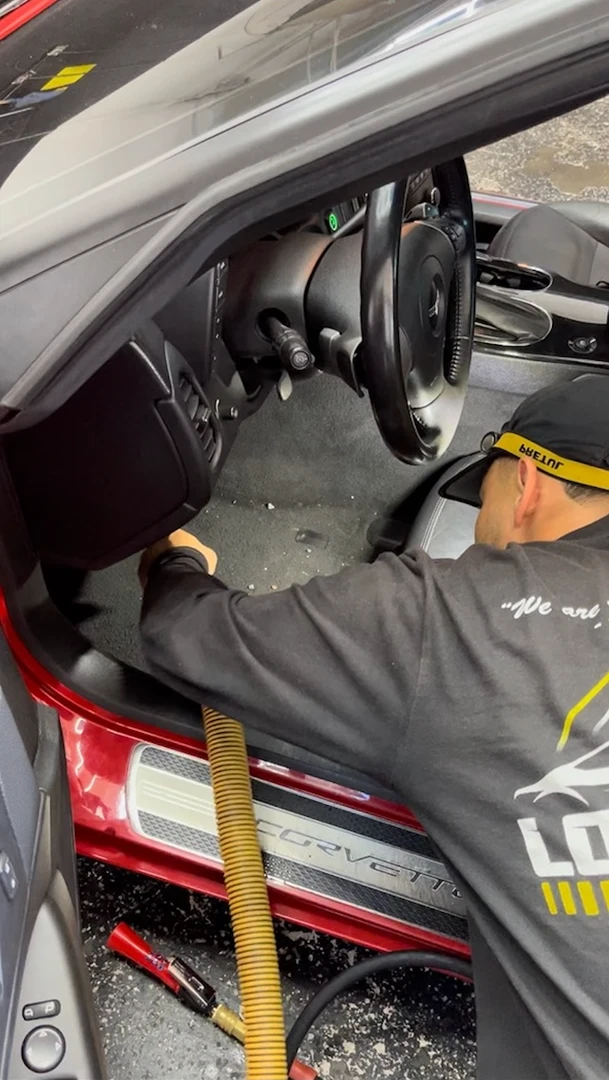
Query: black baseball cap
{"x": 564, "y": 428}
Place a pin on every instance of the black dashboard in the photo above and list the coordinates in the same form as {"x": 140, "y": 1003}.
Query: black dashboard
{"x": 335, "y": 217}
{"x": 193, "y": 321}
{"x": 161, "y": 415}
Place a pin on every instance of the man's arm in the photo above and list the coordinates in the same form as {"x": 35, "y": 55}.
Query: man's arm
{"x": 331, "y": 665}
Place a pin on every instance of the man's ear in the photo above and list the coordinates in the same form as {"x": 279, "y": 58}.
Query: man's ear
{"x": 529, "y": 489}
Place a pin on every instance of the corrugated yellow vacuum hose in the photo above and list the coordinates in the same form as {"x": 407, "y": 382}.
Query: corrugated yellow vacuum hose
{"x": 253, "y": 932}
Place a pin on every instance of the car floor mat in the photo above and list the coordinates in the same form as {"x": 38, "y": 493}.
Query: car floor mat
{"x": 300, "y": 494}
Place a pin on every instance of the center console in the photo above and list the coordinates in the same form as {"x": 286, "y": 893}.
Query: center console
{"x": 524, "y": 309}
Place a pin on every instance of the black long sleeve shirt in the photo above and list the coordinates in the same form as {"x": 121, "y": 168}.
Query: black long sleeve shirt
{"x": 478, "y": 690}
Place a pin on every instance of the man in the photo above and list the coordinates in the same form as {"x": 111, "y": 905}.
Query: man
{"x": 478, "y": 690}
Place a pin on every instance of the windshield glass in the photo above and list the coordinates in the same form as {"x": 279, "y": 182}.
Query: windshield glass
{"x": 84, "y": 114}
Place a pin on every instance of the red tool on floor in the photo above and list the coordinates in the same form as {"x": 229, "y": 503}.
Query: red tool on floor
{"x": 186, "y": 983}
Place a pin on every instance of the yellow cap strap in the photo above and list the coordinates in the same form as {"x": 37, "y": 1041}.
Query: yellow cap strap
{"x": 549, "y": 462}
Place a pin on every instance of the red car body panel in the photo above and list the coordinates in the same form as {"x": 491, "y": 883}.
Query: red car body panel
{"x": 21, "y": 15}
{"x": 99, "y": 747}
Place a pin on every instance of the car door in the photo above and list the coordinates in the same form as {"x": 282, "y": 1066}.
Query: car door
{"x": 47, "y": 1018}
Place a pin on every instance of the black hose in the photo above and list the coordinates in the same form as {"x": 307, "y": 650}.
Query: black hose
{"x": 375, "y": 964}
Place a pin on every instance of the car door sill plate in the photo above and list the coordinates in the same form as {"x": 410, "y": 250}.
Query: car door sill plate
{"x": 308, "y": 843}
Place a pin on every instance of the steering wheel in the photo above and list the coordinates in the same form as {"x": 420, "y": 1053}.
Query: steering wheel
{"x": 417, "y": 292}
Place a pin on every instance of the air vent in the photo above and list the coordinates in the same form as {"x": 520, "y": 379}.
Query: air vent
{"x": 200, "y": 416}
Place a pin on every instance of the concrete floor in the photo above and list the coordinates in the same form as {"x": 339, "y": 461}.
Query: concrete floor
{"x": 567, "y": 158}
{"x": 415, "y": 1026}
{"x": 401, "y": 1026}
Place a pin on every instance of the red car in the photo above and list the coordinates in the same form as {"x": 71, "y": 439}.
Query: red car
{"x": 14, "y": 14}
{"x": 190, "y": 327}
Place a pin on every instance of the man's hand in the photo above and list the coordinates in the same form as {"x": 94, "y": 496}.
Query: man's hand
{"x": 178, "y": 539}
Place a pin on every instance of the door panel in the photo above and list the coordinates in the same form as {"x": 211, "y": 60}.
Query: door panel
{"x": 46, "y": 1010}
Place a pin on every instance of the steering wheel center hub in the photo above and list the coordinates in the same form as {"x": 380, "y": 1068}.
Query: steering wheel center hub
{"x": 436, "y": 305}
{"x": 426, "y": 268}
